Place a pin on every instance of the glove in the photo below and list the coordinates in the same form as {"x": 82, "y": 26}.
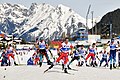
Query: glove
{"x": 16, "y": 53}
{"x": 71, "y": 53}
{"x": 71, "y": 56}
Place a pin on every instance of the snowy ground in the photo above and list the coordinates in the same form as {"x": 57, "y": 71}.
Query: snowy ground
{"x": 36, "y": 73}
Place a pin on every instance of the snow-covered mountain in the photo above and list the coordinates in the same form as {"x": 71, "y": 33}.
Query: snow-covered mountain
{"x": 12, "y": 17}
{"x": 41, "y": 20}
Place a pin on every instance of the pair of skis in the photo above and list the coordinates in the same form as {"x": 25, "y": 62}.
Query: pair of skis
{"x": 49, "y": 69}
{"x": 66, "y": 73}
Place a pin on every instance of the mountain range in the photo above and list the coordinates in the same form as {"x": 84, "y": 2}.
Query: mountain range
{"x": 39, "y": 20}
{"x": 113, "y": 18}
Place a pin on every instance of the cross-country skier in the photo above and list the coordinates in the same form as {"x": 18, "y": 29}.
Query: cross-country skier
{"x": 10, "y": 53}
{"x": 104, "y": 57}
{"x": 43, "y": 52}
{"x": 92, "y": 53}
{"x": 4, "y": 58}
{"x": 30, "y": 61}
{"x": 79, "y": 52}
{"x": 65, "y": 47}
{"x": 36, "y": 57}
{"x": 113, "y": 47}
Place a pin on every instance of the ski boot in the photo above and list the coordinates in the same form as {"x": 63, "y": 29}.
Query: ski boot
{"x": 95, "y": 63}
{"x": 65, "y": 70}
{"x": 86, "y": 64}
{"x": 110, "y": 66}
{"x": 69, "y": 67}
{"x": 40, "y": 63}
{"x": 119, "y": 64}
{"x": 9, "y": 63}
{"x": 100, "y": 64}
{"x": 51, "y": 66}
{"x": 15, "y": 64}
{"x": 49, "y": 62}
{"x": 114, "y": 65}
{"x": 106, "y": 65}
{"x": 81, "y": 63}
{"x": 62, "y": 66}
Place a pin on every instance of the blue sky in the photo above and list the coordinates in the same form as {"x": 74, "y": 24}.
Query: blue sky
{"x": 100, "y": 7}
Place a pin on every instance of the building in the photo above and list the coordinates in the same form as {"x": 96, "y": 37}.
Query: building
{"x": 82, "y": 34}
